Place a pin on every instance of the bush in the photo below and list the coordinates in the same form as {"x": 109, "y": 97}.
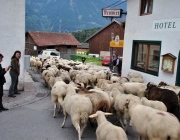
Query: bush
{"x": 87, "y": 52}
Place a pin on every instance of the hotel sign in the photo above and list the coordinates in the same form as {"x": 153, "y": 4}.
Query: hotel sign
{"x": 166, "y": 25}
{"x": 111, "y": 12}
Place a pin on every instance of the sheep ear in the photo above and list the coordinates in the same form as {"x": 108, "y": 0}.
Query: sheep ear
{"x": 93, "y": 116}
{"x": 107, "y": 114}
{"x": 65, "y": 86}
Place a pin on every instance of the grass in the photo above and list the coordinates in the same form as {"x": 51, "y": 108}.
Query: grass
{"x": 93, "y": 60}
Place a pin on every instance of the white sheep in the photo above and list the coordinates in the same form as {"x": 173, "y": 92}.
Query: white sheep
{"x": 38, "y": 66}
{"x": 137, "y": 89}
{"x": 78, "y": 107}
{"x": 32, "y": 62}
{"x": 46, "y": 76}
{"x": 58, "y": 93}
{"x": 138, "y": 80}
{"x": 152, "y": 124}
{"x": 65, "y": 77}
{"x": 109, "y": 87}
{"x": 114, "y": 79}
{"x": 154, "y": 104}
{"x": 101, "y": 81}
{"x": 102, "y": 74}
{"x": 100, "y": 100}
{"x": 134, "y": 75}
{"x": 106, "y": 130}
{"x": 80, "y": 78}
{"x": 52, "y": 80}
{"x": 73, "y": 74}
{"x": 119, "y": 101}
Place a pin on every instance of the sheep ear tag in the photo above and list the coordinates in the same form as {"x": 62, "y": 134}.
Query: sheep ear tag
{"x": 93, "y": 116}
{"x": 107, "y": 114}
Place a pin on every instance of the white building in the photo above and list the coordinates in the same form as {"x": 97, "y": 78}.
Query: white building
{"x": 152, "y": 30}
{"x": 12, "y": 35}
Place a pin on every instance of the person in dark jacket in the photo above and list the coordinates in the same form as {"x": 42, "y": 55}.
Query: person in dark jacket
{"x": 120, "y": 65}
{"x": 14, "y": 73}
{"x": 115, "y": 58}
{"x": 83, "y": 59}
{"x": 2, "y": 81}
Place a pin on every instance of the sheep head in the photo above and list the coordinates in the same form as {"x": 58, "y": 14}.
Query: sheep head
{"x": 98, "y": 113}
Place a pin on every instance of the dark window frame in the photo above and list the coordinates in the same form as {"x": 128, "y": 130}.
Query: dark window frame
{"x": 135, "y": 52}
{"x": 143, "y": 4}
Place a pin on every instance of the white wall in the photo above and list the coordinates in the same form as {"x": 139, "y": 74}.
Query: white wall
{"x": 140, "y": 28}
{"x": 12, "y": 34}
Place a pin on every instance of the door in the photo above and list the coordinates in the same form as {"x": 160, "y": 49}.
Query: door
{"x": 178, "y": 71}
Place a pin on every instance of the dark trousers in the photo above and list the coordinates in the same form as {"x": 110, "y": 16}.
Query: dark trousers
{"x": 1, "y": 95}
{"x": 14, "y": 84}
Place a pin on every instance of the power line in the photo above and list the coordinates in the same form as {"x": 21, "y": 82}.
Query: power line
{"x": 119, "y": 3}
{"x": 116, "y": 3}
{"x": 112, "y": 4}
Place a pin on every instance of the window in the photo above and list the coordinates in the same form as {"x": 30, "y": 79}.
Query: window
{"x": 68, "y": 49}
{"x": 54, "y": 53}
{"x": 41, "y": 53}
{"x": 146, "y": 56}
{"x": 146, "y": 7}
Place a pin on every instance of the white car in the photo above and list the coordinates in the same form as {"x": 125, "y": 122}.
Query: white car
{"x": 49, "y": 53}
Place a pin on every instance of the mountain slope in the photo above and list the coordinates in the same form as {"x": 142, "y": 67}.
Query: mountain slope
{"x": 66, "y": 15}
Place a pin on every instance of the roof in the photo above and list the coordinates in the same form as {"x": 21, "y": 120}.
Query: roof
{"x": 115, "y": 21}
{"x": 83, "y": 46}
{"x": 169, "y": 54}
{"x": 53, "y": 38}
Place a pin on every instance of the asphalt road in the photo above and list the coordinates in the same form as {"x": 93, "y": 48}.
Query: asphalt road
{"x": 35, "y": 122}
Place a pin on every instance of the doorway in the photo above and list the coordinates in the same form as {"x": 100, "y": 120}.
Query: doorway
{"x": 178, "y": 71}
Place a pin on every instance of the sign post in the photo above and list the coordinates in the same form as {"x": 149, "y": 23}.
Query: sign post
{"x": 117, "y": 43}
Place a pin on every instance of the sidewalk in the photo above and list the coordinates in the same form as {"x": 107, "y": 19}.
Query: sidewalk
{"x": 33, "y": 91}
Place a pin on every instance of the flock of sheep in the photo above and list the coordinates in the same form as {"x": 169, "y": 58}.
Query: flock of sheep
{"x": 86, "y": 92}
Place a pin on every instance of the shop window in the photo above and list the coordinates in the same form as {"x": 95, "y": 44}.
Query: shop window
{"x": 146, "y": 56}
{"x": 146, "y": 7}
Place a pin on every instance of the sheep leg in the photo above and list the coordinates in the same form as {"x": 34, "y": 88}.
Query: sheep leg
{"x": 82, "y": 128}
{"x": 116, "y": 121}
{"x": 121, "y": 121}
{"x": 127, "y": 117}
{"x": 65, "y": 117}
{"x": 139, "y": 137}
{"x": 59, "y": 108}
{"x": 127, "y": 124}
{"x": 54, "y": 115}
{"x": 120, "y": 116}
{"x": 60, "y": 101}
{"x": 77, "y": 127}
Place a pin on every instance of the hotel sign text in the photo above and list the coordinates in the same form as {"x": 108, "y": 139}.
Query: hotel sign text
{"x": 166, "y": 25}
{"x": 111, "y": 12}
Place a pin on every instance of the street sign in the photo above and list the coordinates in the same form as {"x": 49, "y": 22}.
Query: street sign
{"x": 116, "y": 44}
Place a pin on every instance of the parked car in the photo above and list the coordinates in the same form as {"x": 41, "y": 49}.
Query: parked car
{"x": 105, "y": 61}
{"x": 49, "y": 53}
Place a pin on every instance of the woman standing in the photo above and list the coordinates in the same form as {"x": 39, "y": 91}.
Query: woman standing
{"x": 2, "y": 81}
{"x": 14, "y": 73}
